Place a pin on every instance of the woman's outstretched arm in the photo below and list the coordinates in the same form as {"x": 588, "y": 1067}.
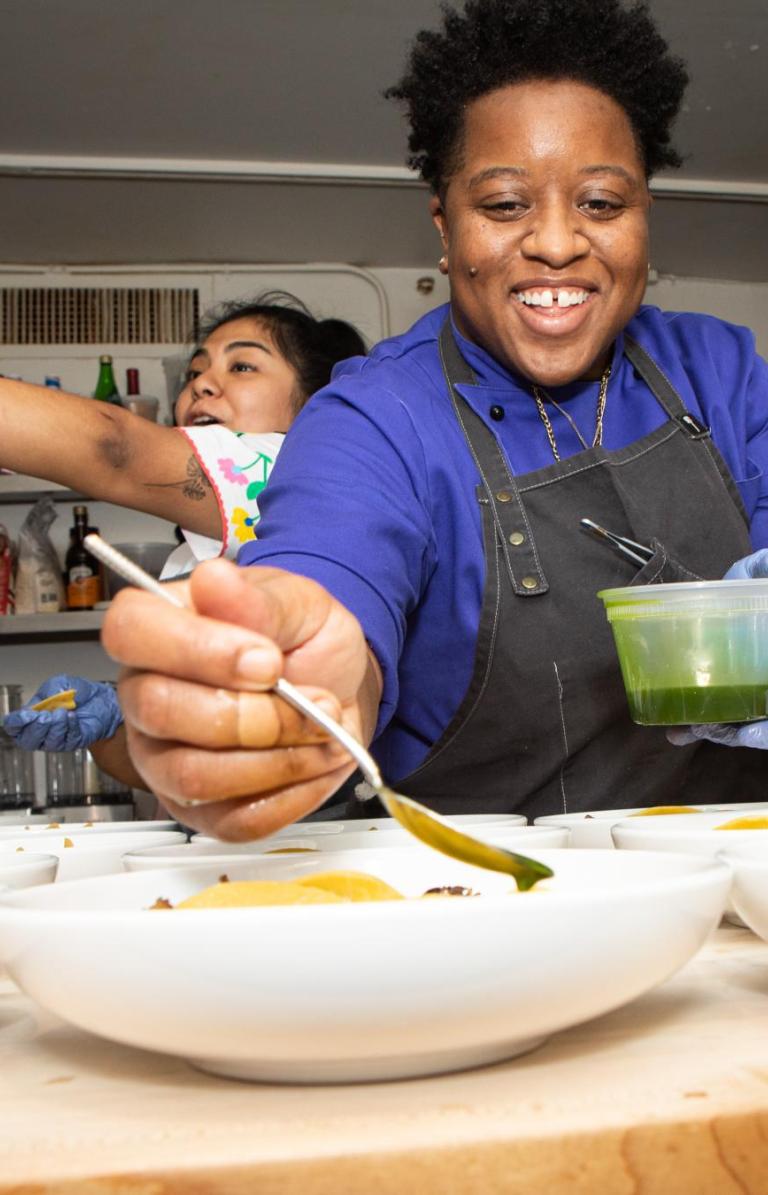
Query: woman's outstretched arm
{"x": 105, "y": 452}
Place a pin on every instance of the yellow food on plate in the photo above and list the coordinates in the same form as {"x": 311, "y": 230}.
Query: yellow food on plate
{"x": 243, "y": 894}
{"x": 324, "y": 888}
{"x": 750, "y": 822}
{"x": 351, "y": 885}
{"x": 656, "y": 810}
{"x": 65, "y": 700}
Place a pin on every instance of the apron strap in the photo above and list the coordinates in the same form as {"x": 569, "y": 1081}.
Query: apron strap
{"x": 663, "y": 390}
{"x": 672, "y": 403}
{"x": 500, "y": 488}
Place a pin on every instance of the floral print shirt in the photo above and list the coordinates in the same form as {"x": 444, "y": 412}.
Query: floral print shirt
{"x": 238, "y": 465}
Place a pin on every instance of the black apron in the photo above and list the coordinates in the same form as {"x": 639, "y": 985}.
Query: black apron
{"x": 544, "y": 725}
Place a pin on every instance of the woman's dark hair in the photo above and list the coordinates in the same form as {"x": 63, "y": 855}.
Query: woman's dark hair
{"x": 495, "y": 43}
{"x": 310, "y": 346}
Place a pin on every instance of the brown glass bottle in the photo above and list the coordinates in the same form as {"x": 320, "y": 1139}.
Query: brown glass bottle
{"x": 82, "y": 573}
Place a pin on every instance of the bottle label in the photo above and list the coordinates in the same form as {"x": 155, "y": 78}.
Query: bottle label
{"x": 83, "y": 587}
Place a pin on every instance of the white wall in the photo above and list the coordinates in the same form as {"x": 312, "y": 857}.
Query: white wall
{"x": 738, "y": 302}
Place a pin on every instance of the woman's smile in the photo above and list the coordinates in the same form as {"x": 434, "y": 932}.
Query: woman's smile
{"x": 550, "y": 308}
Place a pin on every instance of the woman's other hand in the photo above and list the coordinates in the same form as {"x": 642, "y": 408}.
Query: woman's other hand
{"x": 747, "y": 734}
{"x": 96, "y": 716}
{"x": 749, "y": 567}
{"x": 202, "y": 724}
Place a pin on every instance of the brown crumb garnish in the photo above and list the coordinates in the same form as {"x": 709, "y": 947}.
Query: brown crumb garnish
{"x": 68, "y": 842}
{"x": 19, "y": 848}
{"x": 224, "y": 879}
{"x": 53, "y": 826}
{"x": 451, "y": 890}
{"x": 161, "y": 903}
{"x": 87, "y": 824}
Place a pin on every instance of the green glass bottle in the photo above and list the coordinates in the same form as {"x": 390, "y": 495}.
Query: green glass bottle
{"x": 106, "y": 386}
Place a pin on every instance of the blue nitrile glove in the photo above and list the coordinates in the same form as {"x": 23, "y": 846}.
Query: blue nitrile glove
{"x": 748, "y": 734}
{"x": 749, "y": 567}
{"x": 96, "y": 716}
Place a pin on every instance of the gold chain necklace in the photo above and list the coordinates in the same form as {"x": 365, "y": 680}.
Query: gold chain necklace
{"x": 602, "y": 396}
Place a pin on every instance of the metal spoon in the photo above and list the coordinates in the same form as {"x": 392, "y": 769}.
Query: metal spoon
{"x": 423, "y": 823}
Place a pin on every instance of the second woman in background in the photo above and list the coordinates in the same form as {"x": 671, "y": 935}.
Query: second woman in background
{"x": 254, "y": 366}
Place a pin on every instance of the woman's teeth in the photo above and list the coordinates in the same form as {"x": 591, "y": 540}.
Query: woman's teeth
{"x": 552, "y": 298}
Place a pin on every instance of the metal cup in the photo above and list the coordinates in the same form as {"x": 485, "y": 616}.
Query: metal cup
{"x": 17, "y": 775}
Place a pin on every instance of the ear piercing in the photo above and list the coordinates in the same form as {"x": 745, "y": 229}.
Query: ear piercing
{"x": 442, "y": 265}
{"x": 473, "y": 271}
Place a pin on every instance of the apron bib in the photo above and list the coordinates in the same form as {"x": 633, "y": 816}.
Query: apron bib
{"x": 544, "y": 725}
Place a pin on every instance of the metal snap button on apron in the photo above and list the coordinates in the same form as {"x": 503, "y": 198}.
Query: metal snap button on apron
{"x": 516, "y": 538}
{"x": 503, "y": 496}
{"x": 530, "y": 582}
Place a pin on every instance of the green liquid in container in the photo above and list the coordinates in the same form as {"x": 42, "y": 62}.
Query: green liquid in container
{"x": 692, "y": 704}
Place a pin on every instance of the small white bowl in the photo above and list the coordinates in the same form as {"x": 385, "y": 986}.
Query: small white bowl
{"x": 350, "y": 992}
{"x": 358, "y": 825}
{"x": 593, "y": 829}
{"x": 52, "y": 826}
{"x": 694, "y": 833}
{"x": 698, "y": 833}
{"x": 524, "y": 839}
{"x": 89, "y": 854}
{"x": 26, "y": 870}
{"x": 749, "y": 891}
{"x": 214, "y": 853}
{"x": 515, "y": 837}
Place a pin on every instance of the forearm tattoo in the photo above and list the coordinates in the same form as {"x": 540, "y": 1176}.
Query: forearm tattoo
{"x": 194, "y": 486}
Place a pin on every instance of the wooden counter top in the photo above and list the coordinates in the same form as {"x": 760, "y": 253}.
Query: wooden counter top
{"x": 667, "y": 1096}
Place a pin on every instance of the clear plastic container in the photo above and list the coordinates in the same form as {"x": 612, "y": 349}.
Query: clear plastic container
{"x": 692, "y": 652}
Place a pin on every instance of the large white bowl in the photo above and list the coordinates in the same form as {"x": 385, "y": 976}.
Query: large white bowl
{"x": 593, "y": 829}
{"x": 89, "y": 854}
{"x": 384, "y": 990}
{"x": 26, "y": 870}
{"x": 749, "y": 891}
{"x": 51, "y": 826}
{"x": 525, "y": 839}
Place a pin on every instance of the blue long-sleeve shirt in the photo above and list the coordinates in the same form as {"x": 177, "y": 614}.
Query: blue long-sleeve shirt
{"x": 373, "y": 494}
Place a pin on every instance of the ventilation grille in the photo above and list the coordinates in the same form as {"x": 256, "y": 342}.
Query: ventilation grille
{"x": 98, "y": 315}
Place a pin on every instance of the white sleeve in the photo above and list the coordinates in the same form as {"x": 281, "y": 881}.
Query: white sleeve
{"x": 237, "y": 464}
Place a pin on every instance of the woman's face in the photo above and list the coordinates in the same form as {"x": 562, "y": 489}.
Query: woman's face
{"x": 239, "y": 379}
{"x": 545, "y": 226}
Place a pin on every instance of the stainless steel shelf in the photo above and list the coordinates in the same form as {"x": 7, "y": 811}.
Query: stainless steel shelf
{"x": 17, "y": 488}
{"x": 51, "y": 628}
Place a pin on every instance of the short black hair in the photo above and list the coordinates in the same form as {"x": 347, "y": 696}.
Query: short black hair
{"x": 310, "y": 346}
{"x": 496, "y": 43}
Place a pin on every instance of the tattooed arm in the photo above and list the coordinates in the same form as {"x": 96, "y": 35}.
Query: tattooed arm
{"x": 105, "y": 452}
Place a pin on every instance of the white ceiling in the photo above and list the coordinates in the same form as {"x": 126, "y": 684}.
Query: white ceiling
{"x": 301, "y": 81}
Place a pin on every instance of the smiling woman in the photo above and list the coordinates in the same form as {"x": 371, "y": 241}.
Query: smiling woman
{"x": 436, "y": 491}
